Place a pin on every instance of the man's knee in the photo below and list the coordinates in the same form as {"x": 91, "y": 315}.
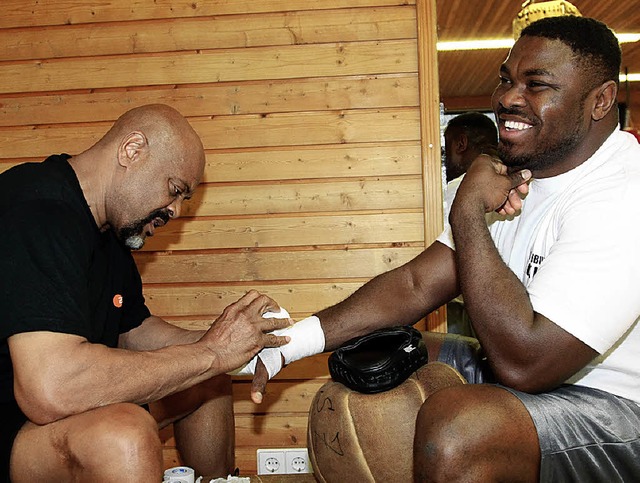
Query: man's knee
{"x": 442, "y": 438}
{"x": 93, "y": 446}
{"x": 127, "y": 434}
{"x": 474, "y": 433}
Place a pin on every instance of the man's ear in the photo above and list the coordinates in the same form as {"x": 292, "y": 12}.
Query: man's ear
{"x": 131, "y": 148}
{"x": 605, "y": 99}
{"x": 462, "y": 143}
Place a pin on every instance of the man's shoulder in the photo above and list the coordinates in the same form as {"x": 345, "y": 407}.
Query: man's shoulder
{"x": 616, "y": 163}
{"x": 622, "y": 149}
{"x": 41, "y": 186}
{"x": 48, "y": 177}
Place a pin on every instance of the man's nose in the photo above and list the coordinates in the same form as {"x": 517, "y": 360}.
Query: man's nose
{"x": 175, "y": 208}
{"x": 513, "y": 96}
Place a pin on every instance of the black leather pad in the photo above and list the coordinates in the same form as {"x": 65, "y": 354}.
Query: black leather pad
{"x": 378, "y": 361}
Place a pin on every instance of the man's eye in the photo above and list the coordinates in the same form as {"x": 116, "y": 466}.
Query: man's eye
{"x": 504, "y": 80}
{"x": 536, "y": 84}
{"x": 177, "y": 191}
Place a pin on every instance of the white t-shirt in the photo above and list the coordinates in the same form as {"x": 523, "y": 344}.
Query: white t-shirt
{"x": 576, "y": 248}
{"x": 449, "y": 194}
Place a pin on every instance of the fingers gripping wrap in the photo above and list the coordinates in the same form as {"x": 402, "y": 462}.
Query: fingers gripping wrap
{"x": 272, "y": 360}
{"x": 307, "y": 339}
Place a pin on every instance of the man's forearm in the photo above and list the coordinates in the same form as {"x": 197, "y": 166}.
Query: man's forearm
{"x": 156, "y": 333}
{"x": 102, "y": 376}
{"x": 515, "y": 338}
{"x": 399, "y": 297}
{"x": 494, "y": 297}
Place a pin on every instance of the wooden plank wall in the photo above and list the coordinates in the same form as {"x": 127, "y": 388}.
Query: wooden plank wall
{"x": 322, "y": 162}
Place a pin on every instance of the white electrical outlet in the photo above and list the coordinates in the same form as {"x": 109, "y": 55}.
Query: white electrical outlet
{"x": 283, "y": 461}
{"x": 296, "y": 461}
{"x": 271, "y": 462}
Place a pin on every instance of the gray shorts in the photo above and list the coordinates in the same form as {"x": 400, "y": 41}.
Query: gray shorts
{"x": 586, "y": 435}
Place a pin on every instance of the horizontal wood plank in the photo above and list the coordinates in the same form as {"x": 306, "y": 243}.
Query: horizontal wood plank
{"x": 203, "y": 33}
{"x": 286, "y": 129}
{"x": 300, "y": 162}
{"x": 282, "y": 231}
{"x": 272, "y": 431}
{"x": 25, "y": 13}
{"x": 282, "y": 62}
{"x": 281, "y": 397}
{"x": 303, "y": 162}
{"x": 211, "y": 300}
{"x": 252, "y": 265}
{"x": 390, "y": 193}
{"x": 313, "y": 94}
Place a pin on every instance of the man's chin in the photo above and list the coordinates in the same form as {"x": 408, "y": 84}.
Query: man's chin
{"x": 511, "y": 159}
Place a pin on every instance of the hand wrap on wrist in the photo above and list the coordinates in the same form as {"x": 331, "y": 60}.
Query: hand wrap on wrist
{"x": 307, "y": 339}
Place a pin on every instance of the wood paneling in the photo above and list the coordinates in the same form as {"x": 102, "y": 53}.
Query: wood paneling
{"x": 321, "y": 129}
{"x": 251, "y": 265}
{"x": 21, "y": 13}
{"x": 250, "y": 131}
{"x": 232, "y": 65}
{"x": 318, "y": 94}
{"x": 204, "y": 33}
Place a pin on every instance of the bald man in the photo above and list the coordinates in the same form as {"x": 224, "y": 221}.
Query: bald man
{"x": 87, "y": 373}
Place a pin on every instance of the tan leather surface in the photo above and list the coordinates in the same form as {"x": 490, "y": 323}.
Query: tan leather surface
{"x": 354, "y": 437}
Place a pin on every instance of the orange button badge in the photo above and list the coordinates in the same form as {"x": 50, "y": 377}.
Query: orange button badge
{"x": 117, "y": 300}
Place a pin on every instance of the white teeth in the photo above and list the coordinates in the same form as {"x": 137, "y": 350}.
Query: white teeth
{"x": 519, "y": 126}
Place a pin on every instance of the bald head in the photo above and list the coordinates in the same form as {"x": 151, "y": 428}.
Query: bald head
{"x": 137, "y": 175}
{"x": 163, "y": 127}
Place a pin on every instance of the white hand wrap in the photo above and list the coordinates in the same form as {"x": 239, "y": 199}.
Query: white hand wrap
{"x": 307, "y": 339}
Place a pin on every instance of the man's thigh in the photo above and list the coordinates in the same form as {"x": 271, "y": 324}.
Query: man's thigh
{"x": 585, "y": 434}
{"x": 80, "y": 444}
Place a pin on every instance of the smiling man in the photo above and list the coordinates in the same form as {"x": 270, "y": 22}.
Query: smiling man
{"x": 543, "y": 243}
{"x": 87, "y": 373}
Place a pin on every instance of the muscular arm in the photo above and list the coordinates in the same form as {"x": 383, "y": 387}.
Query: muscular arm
{"x": 57, "y": 374}
{"x": 526, "y": 350}
{"x": 398, "y": 297}
{"x": 156, "y": 333}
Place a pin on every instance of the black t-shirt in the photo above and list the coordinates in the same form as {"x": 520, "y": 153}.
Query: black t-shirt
{"x": 58, "y": 272}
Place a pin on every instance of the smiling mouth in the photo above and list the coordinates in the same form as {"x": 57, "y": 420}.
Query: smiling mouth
{"x": 516, "y": 126}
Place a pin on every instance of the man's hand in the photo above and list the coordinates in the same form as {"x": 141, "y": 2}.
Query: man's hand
{"x": 241, "y": 331}
{"x": 307, "y": 339}
{"x": 489, "y": 184}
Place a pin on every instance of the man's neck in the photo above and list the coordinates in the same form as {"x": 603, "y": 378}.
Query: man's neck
{"x": 87, "y": 171}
